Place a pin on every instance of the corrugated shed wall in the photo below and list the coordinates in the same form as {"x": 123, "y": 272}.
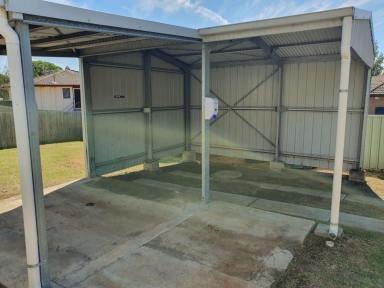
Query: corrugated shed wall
{"x": 230, "y": 132}
{"x": 310, "y": 96}
{"x": 167, "y": 92}
{"x": 117, "y": 93}
{"x": 308, "y": 123}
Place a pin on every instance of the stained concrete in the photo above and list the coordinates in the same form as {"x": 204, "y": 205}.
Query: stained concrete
{"x": 297, "y": 210}
{"x": 110, "y": 232}
{"x": 262, "y": 185}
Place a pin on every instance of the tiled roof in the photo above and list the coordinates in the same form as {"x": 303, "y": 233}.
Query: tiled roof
{"x": 63, "y": 77}
{"x": 377, "y": 85}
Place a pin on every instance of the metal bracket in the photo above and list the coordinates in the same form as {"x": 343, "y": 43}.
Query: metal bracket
{"x": 147, "y": 110}
{"x": 281, "y": 109}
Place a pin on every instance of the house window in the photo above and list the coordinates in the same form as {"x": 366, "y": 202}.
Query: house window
{"x": 379, "y": 111}
{"x": 76, "y": 98}
{"x": 66, "y": 93}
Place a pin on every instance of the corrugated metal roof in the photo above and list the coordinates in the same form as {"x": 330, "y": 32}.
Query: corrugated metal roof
{"x": 328, "y": 34}
{"x": 309, "y": 50}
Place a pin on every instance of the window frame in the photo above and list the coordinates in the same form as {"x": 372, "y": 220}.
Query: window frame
{"x": 66, "y": 89}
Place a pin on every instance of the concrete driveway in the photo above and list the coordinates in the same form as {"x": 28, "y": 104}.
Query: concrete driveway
{"x": 113, "y": 232}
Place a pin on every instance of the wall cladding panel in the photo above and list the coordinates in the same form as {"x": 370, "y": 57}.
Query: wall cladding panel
{"x": 308, "y": 124}
{"x": 231, "y": 84}
{"x": 167, "y": 89}
{"x": 118, "y": 136}
{"x": 119, "y": 133}
{"x": 116, "y": 88}
{"x": 315, "y": 86}
{"x": 168, "y": 128}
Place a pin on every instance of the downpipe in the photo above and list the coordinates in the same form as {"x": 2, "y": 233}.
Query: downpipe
{"x": 24, "y": 157}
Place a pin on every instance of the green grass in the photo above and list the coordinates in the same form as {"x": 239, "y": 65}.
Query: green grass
{"x": 61, "y": 162}
{"x": 357, "y": 260}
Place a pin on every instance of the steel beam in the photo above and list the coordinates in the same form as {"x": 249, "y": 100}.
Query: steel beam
{"x": 169, "y": 59}
{"x": 148, "y": 107}
{"x": 87, "y": 118}
{"x": 62, "y": 37}
{"x": 34, "y": 146}
{"x": 89, "y": 43}
{"x": 187, "y": 110}
{"x": 205, "y": 93}
{"x": 271, "y": 53}
{"x": 130, "y": 45}
{"x": 278, "y": 112}
{"x": 230, "y": 51}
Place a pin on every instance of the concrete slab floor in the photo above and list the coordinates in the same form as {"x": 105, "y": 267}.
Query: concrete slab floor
{"x": 121, "y": 233}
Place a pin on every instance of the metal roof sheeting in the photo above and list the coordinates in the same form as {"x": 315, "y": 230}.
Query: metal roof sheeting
{"x": 310, "y": 50}
{"x": 304, "y": 36}
{"x": 55, "y": 30}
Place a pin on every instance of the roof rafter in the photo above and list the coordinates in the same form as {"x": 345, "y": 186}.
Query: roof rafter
{"x": 93, "y": 43}
{"x": 61, "y": 37}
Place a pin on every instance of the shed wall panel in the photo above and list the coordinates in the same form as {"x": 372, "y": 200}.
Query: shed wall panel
{"x": 309, "y": 117}
{"x": 116, "y": 88}
{"x": 117, "y": 94}
{"x": 311, "y": 130}
{"x": 118, "y": 136}
{"x": 168, "y": 128}
{"x": 167, "y": 89}
{"x": 252, "y": 90}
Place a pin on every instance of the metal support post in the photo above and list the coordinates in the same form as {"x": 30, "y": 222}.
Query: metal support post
{"x": 205, "y": 124}
{"x": 341, "y": 123}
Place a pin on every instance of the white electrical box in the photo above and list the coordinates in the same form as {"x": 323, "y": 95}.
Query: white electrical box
{"x": 211, "y": 108}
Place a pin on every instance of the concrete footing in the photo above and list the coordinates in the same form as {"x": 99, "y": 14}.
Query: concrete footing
{"x": 152, "y": 165}
{"x": 276, "y": 165}
{"x": 322, "y": 230}
{"x": 189, "y": 156}
{"x": 356, "y": 175}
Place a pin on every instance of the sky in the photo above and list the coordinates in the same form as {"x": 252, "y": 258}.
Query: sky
{"x": 205, "y": 13}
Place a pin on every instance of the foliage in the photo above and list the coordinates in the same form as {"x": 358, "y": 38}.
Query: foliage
{"x": 378, "y": 65}
{"x": 4, "y": 79}
{"x": 41, "y": 68}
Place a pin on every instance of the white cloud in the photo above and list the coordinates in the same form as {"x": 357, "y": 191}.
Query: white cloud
{"x": 172, "y": 6}
{"x": 356, "y": 3}
{"x": 292, "y": 7}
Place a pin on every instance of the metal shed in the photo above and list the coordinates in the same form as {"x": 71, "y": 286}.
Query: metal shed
{"x": 291, "y": 89}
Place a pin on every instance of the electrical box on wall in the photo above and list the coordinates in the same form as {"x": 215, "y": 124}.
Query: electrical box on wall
{"x": 211, "y": 108}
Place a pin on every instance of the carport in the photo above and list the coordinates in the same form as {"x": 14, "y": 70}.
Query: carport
{"x": 291, "y": 90}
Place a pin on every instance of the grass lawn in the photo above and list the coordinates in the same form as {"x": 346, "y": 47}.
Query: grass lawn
{"x": 61, "y": 162}
{"x": 357, "y": 260}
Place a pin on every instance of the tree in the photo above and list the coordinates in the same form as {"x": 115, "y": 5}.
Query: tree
{"x": 4, "y": 79}
{"x": 41, "y": 68}
{"x": 378, "y": 65}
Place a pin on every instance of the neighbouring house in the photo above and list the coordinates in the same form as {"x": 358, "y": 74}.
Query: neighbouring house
{"x": 376, "y": 101}
{"x": 59, "y": 91}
